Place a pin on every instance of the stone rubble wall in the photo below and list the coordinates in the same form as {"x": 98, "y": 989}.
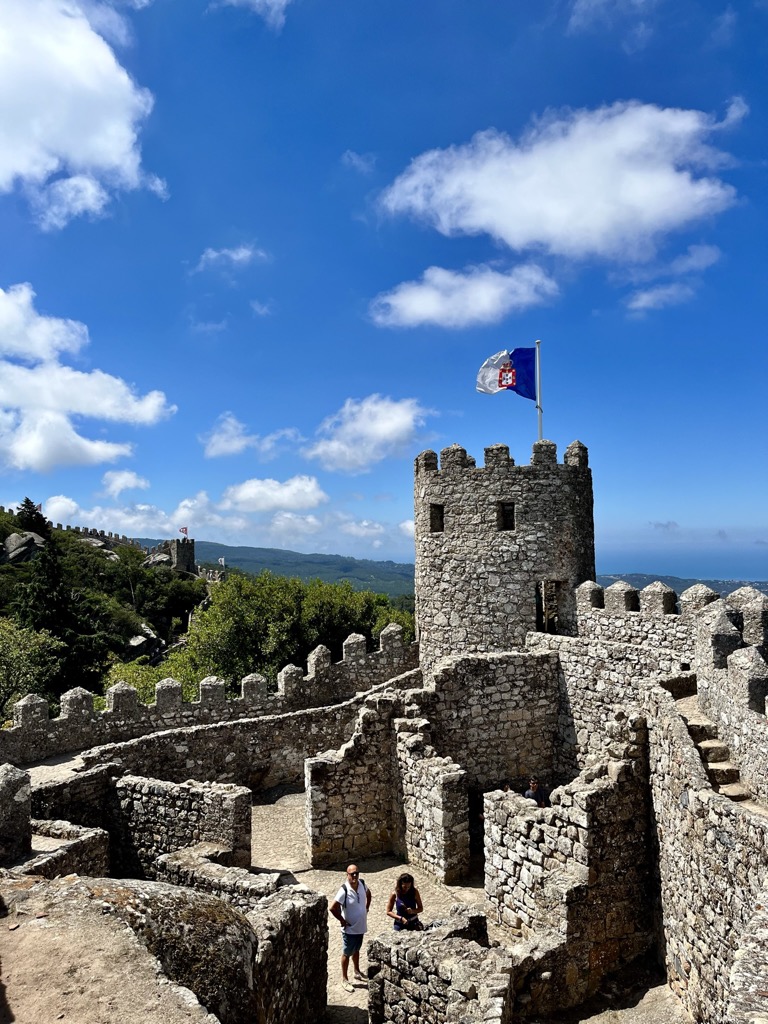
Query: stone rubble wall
{"x": 83, "y": 798}
{"x": 83, "y": 851}
{"x": 258, "y": 753}
{"x": 35, "y": 737}
{"x": 387, "y": 791}
{"x": 653, "y": 616}
{"x": 445, "y": 974}
{"x": 156, "y": 817}
{"x": 476, "y": 576}
{"x": 290, "y": 924}
{"x": 15, "y": 814}
{"x": 748, "y": 983}
{"x": 597, "y": 679}
{"x": 206, "y": 867}
{"x": 351, "y": 799}
{"x": 712, "y": 857}
{"x": 578, "y": 871}
{"x": 495, "y": 715}
{"x": 435, "y": 807}
{"x": 732, "y": 688}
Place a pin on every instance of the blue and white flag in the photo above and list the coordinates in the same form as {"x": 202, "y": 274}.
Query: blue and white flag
{"x": 509, "y": 371}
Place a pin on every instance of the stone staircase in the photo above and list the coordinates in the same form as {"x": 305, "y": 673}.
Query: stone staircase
{"x": 723, "y": 773}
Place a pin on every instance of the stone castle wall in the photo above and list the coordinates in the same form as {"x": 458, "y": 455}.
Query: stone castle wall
{"x": 445, "y": 974}
{"x": 487, "y": 537}
{"x": 577, "y": 871}
{"x": 290, "y": 927}
{"x": 82, "y": 851}
{"x": 495, "y": 715}
{"x": 151, "y": 818}
{"x": 34, "y": 736}
{"x": 435, "y": 807}
{"x": 256, "y": 752}
{"x": 712, "y": 857}
{"x": 732, "y": 687}
{"x": 653, "y": 616}
{"x": 386, "y": 791}
{"x": 597, "y": 679}
{"x": 351, "y": 802}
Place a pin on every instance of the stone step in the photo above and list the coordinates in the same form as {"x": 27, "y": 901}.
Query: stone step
{"x": 735, "y": 791}
{"x": 701, "y": 728}
{"x": 723, "y": 773}
{"x": 713, "y": 750}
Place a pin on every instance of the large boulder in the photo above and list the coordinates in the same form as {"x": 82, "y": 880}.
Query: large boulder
{"x": 21, "y": 547}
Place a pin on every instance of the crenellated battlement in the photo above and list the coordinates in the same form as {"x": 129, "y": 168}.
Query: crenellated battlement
{"x": 85, "y": 531}
{"x": 35, "y": 736}
{"x": 454, "y": 459}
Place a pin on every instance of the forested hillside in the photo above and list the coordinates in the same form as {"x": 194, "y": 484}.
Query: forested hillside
{"x": 75, "y": 611}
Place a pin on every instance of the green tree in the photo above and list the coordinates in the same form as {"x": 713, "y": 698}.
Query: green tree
{"x": 31, "y": 519}
{"x": 251, "y": 624}
{"x": 29, "y": 662}
{"x": 75, "y": 617}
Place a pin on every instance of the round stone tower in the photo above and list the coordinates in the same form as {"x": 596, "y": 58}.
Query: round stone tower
{"x": 499, "y": 549}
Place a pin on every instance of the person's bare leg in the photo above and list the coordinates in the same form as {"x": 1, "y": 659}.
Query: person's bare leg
{"x": 345, "y": 965}
{"x": 356, "y": 965}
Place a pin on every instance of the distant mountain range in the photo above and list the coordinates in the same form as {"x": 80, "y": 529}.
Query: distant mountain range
{"x": 393, "y": 578}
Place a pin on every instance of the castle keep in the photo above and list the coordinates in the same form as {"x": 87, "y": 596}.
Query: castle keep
{"x": 645, "y": 712}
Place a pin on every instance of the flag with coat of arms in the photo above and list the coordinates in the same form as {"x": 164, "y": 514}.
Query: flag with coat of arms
{"x": 509, "y": 371}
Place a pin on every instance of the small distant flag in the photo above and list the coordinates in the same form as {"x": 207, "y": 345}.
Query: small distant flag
{"x": 38, "y": 508}
{"x": 221, "y": 561}
{"x": 509, "y": 371}
{"x": 184, "y": 530}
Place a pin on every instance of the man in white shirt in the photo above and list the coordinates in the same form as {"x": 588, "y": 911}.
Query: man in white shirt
{"x": 350, "y": 908}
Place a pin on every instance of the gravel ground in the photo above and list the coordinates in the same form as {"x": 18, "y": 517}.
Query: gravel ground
{"x": 279, "y": 843}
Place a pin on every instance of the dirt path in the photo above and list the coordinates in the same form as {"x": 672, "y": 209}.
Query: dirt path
{"x": 279, "y": 843}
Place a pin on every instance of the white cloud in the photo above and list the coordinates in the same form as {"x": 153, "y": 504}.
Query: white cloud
{"x": 42, "y": 440}
{"x": 478, "y": 295}
{"x": 260, "y": 308}
{"x": 288, "y": 526}
{"x": 38, "y": 401}
{"x": 26, "y": 335}
{"x": 67, "y": 198}
{"x": 208, "y": 326}
{"x": 661, "y": 296}
{"x": 196, "y": 512}
{"x": 229, "y": 259}
{"x": 229, "y": 437}
{"x": 267, "y": 495}
{"x": 698, "y": 257}
{"x": 118, "y": 480}
{"x": 407, "y": 528}
{"x": 724, "y": 28}
{"x": 609, "y": 182}
{"x": 363, "y": 163}
{"x": 364, "y": 432}
{"x": 588, "y": 14}
{"x": 364, "y": 528}
{"x": 272, "y": 11}
{"x": 70, "y": 114}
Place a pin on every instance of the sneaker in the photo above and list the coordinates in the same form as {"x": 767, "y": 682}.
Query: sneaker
{"x": 347, "y": 986}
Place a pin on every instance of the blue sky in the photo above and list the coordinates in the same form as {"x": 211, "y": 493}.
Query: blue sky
{"x": 254, "y": 252}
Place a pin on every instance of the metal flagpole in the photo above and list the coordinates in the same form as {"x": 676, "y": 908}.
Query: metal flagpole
{"x": 538, "y": 387}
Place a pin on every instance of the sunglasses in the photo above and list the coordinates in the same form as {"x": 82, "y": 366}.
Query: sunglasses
{"x": 353, "y": 874}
